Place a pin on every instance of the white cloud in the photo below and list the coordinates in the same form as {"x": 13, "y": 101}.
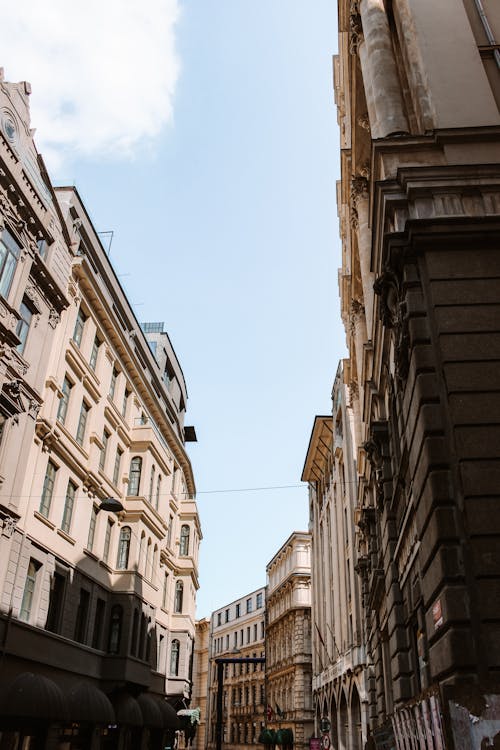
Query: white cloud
{"x": 103, "y": 72}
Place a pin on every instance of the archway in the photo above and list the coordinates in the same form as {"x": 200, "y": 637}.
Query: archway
{"x": 356, "y": 724}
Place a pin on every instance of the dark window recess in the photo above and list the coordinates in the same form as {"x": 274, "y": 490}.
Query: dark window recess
{"x": 98, "y": 624}
{"x": 82, "y": 616}
{"x": 56, "y": 598}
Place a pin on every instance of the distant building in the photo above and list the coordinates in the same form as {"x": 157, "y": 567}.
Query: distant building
{"x": 339, "y": 658}
{"x": 237, "y": 631}
{"x": 100, "y": 538}
{"x": 417, "y": 86}
{"x": 199, "y": 697}
{"x": 288, "y": 639}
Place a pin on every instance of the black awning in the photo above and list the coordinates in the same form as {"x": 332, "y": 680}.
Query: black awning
{"x": 127, "y": 710}
{"x": 170, "y": 718}
{"x": 151, "y": 712}
{"x": 89, "y": 704}
{"x": 33, "y": 696}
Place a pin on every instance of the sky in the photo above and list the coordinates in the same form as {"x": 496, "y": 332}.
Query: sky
{"x": 203, "y": 134}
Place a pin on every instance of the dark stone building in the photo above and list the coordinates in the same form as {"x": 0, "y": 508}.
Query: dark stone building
{"x": 419, "y": 203}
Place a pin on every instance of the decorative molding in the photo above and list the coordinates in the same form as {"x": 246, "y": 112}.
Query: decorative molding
{"x": 393, "y": 314}
{"x": 355, "y": 28}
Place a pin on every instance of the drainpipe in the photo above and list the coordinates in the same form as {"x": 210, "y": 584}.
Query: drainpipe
{"x": 488, "y": 30}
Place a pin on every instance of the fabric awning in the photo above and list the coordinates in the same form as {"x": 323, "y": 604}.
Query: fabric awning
{"x": 127, "y": 710}
{"x": 150, "y": 709}
{"x": 170, "y": 718}
{"x": 89, "y": 704}
{"x": 33, "y": 696}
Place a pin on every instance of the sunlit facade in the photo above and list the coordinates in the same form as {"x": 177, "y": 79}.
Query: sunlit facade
{"x": 97, "y": 597}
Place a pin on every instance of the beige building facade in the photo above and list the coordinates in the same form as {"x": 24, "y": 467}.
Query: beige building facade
{"x": 237, "y": 631}
{"x": 339, "y": 658}
{"x": 417, "y": 87}
{"x": 288, "y": 639}
{"x": 200, "y": 680}
{"x": 101, "y": 533}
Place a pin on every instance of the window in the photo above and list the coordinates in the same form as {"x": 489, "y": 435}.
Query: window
{"x": 158, "y": 488}
{"x": 82, "y": 614}
{"x": 165, "y": 592}
{"x": 107, "y": 540}
{"x": 115, "y": 629}
{"x": 123, "y": 548}
{"x": 116, "y": 469}
{"x": 23, "y": 326}
{"x": 248, "y": 637}
{"x": 68, "y": 507}
{"x": 29, "y": 590}
{"x": 219, "y": 619}
{"x": 125, "y": 402}
{"x": 249, "y": 605}
{"x": 179, "y": 594}
{"x": 94, "y": 353}
{"x": 174, "y": 657}
{"x": 98, "y": 623}
{"x": 135, "y": 476}
{"x": 259, "y": 600}
{"x": 102, "y": 457}
{"x": 79, "y": 325}
{"x": 62, "y": 409}
{"x": 238, "y": 610}
{"x": 255, "y": 631}
{"x": 92, "y": 525}
{"x": 48, "y": 489}
{"x": 82, "y": 423}
{"x": 149, "y": 561}
{"x": 141, "y": 552}
{"x": 9, "y": 253}
{"x": 42, "y": 248}
{"x": 112, "y": 385}
{"x": 226, "y": 615}
{"x": 169, "y": 533}
{"x": 184, "y": 541}
{"x": 135, "y": 632}
{"x": 56, "y": 597}
{"x": 151, "y": 484}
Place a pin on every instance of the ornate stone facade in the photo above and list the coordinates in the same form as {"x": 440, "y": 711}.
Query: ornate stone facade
{"x": 339, "y": 656}
{"x": 420, "y": 261}
{"x": 288, "y": 639}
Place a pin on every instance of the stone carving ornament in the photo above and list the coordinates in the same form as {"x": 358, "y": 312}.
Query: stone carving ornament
{"x": 393, "y": 314}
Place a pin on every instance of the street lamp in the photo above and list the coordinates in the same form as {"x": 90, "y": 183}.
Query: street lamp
{"x": 220, "y": 682}
{"x": 110, "y": 504}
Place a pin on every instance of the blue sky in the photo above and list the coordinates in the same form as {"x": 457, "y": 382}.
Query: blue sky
{"x": 225, "y": 227}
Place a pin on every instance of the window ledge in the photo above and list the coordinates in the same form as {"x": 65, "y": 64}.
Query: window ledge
{"x": 91, "y": 554}
{"x": 44, "y": 520}
{"x": 66, "y": 536}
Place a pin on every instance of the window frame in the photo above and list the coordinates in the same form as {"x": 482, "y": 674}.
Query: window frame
{"x": 48, "y": 489}
{"x": 7, "y": 265}
{"x": 69, "y": 503}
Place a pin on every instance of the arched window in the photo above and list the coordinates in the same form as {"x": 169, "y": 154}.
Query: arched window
{"x": 184, "y": 541}
{"x": 135, "y": 630}
{"x": 179, "y": 593}
{"x": 149, "y": 562}
{"x": 158, "y": 488}
{"x": 174, "y": 657}
{"x": 142, "y": 567}
{"x": 134, "y": 477}
{"x": 123, "y": 548}
{"x": 115, "y": 629}
{"x": 151, "y": 484}
{"x": 155, "y": 563}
